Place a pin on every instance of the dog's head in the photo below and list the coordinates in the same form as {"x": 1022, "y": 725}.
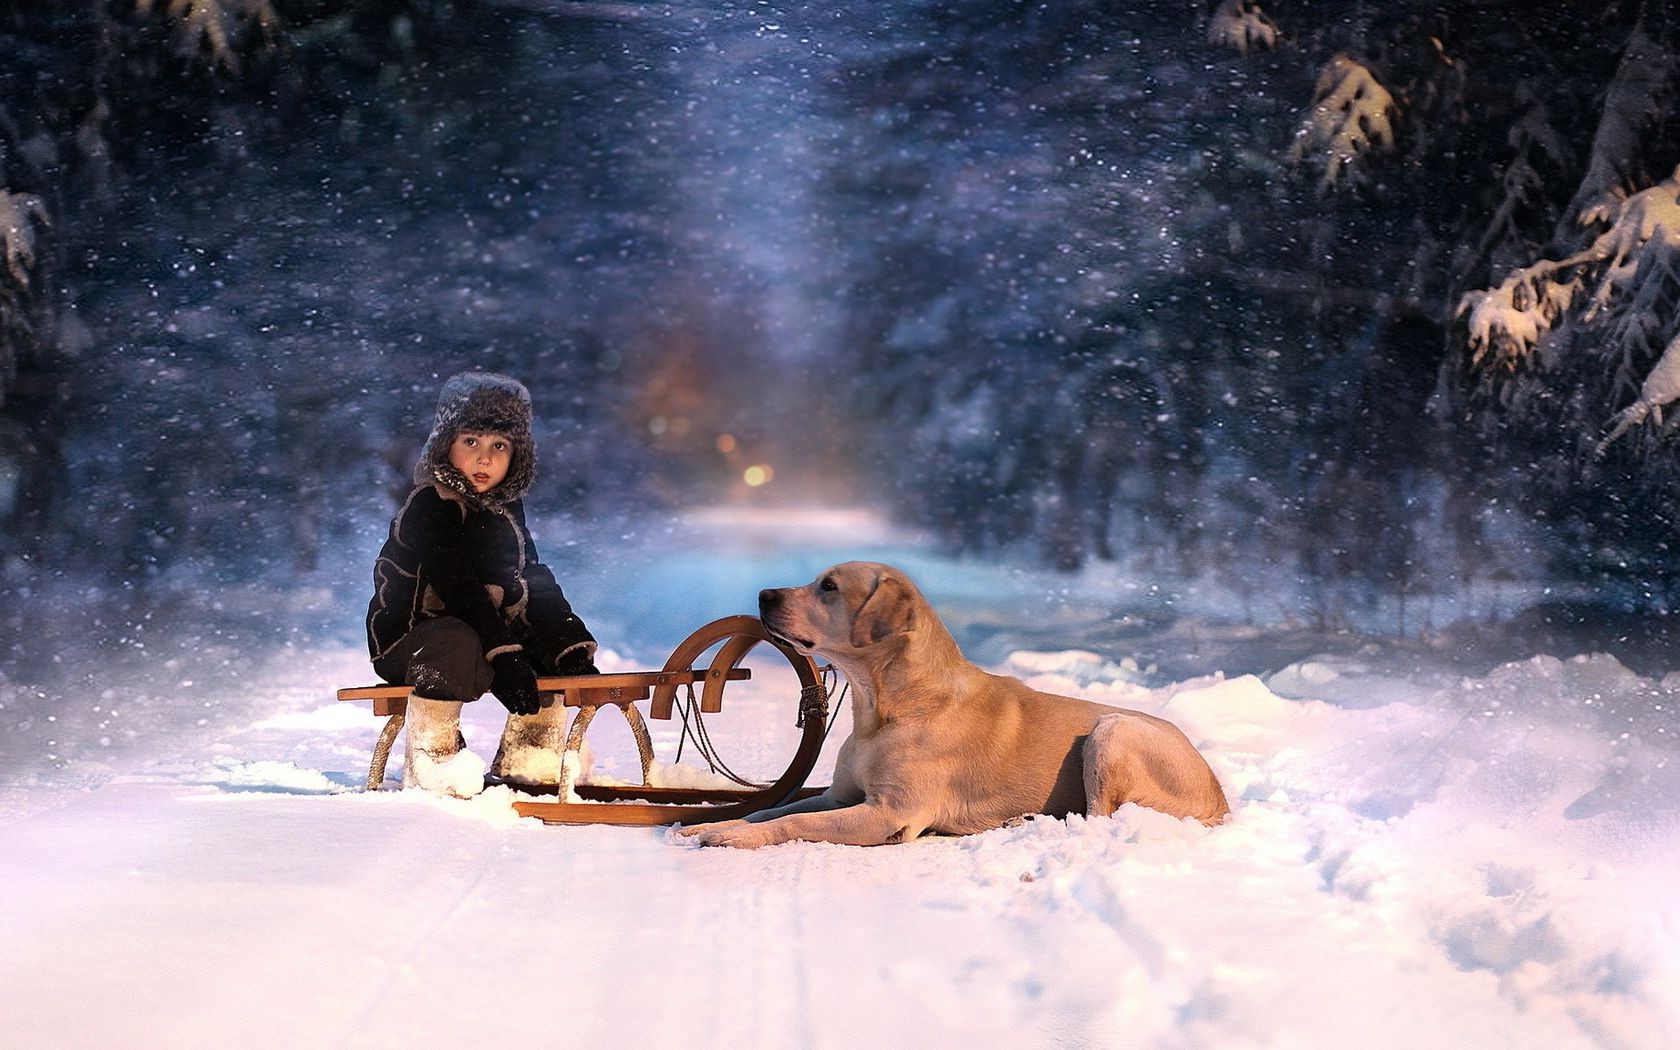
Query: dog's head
{"x": 855, "y": 605}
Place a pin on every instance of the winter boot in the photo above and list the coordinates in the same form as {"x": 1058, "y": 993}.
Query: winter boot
{"x": 529, "y": 754}
{"x": 436, "y": 757}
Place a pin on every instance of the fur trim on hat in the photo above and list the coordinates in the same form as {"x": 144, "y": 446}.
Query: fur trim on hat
{"x": 481, "y": 402}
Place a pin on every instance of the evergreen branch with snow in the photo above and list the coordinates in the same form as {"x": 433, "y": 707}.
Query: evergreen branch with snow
{"x": 1241, "y": 26}
{"x": 1631, "y": 274}
{"x": 1351, "y": 115}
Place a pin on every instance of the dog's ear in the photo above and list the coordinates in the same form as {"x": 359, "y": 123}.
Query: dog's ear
{"x": 887, "y": 611}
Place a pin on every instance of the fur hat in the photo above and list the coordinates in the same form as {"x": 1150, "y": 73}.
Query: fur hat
{"x": 481, "y": 401}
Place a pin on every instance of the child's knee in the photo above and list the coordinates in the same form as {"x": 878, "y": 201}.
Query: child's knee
{"x": 448, "y": 661}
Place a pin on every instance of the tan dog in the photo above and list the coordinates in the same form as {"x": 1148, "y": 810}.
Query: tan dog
{"x": 939, "y": 745}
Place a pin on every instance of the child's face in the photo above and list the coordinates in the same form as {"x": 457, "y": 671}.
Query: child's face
{"x": 482, "y": 457}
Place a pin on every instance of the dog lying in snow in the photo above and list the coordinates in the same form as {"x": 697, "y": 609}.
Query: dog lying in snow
{"x": 939, "y": 745}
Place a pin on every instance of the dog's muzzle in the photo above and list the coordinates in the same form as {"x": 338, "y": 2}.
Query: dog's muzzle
{"x": 769, "y": 607}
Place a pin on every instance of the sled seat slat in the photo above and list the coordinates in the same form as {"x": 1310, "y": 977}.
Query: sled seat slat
{"x": 591, "y": 690}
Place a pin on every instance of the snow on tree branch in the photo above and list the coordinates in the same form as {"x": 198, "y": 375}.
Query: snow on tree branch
{"x": 20, "y": 213}
{"x": 1242, "y": 26}
{"x": 213, "y": 26}
{"x": 1506, "y": 322}
{"x": 1350, "y": 116}
{"x": 1633, "y": 270}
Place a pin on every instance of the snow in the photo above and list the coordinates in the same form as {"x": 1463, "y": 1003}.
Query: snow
{"x": 1414, "y": 859}
{"x": 460, "y": 775}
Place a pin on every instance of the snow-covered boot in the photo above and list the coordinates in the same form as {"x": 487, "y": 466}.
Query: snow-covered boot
{"x": 436, "y": 757}
{"x": 529, "y": 754}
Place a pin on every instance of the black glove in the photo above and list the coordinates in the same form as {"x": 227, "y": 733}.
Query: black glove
{"x": 515, "y": 684}
{"x": 575, "y": 662}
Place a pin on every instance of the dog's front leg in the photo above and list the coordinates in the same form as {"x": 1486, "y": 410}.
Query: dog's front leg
{"x": 840, "y": 794}
{"x": 866, "y": 824}
{"x": 815, "y": 804}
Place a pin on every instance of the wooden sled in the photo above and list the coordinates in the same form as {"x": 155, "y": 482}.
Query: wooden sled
{"x": 646, "y": 805}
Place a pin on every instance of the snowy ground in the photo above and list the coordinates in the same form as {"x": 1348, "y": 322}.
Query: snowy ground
{"x": 1416, "y": 859}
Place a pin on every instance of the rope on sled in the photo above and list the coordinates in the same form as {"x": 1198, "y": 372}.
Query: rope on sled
{"x": 825, "y": 687}
{"x": 813, "y": 703}
{"x": 382, "y": 751}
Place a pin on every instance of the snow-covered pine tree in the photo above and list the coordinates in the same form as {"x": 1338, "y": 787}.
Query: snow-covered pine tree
{"x": 1617, "y": 297}
{"x": 1629, "y": 279}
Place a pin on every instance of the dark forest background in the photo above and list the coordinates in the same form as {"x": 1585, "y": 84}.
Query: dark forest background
{"x": 1066, "y": 282}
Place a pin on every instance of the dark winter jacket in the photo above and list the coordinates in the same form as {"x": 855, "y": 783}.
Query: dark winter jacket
{"x": 453, "y": 551}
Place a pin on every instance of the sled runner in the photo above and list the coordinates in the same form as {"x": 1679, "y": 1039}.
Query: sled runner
{"x": 669, "y": 693}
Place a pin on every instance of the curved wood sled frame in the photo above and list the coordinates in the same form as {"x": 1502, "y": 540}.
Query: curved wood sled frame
{"x": 739, "y": 634}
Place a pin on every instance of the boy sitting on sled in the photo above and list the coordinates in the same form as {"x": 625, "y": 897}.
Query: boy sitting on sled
{"x": 461, "y": 602}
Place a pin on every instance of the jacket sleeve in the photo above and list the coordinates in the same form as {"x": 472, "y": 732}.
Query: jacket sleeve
{"x": 555, "y": 629}
{"x": 433, "y": 529}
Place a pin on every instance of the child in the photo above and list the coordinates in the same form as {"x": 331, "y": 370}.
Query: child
{"x": 461, "y": 603}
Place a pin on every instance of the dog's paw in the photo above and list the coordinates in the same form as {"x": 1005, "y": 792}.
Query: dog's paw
{"x": 736, "y": 833}
{"x": 700, "y": 831}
